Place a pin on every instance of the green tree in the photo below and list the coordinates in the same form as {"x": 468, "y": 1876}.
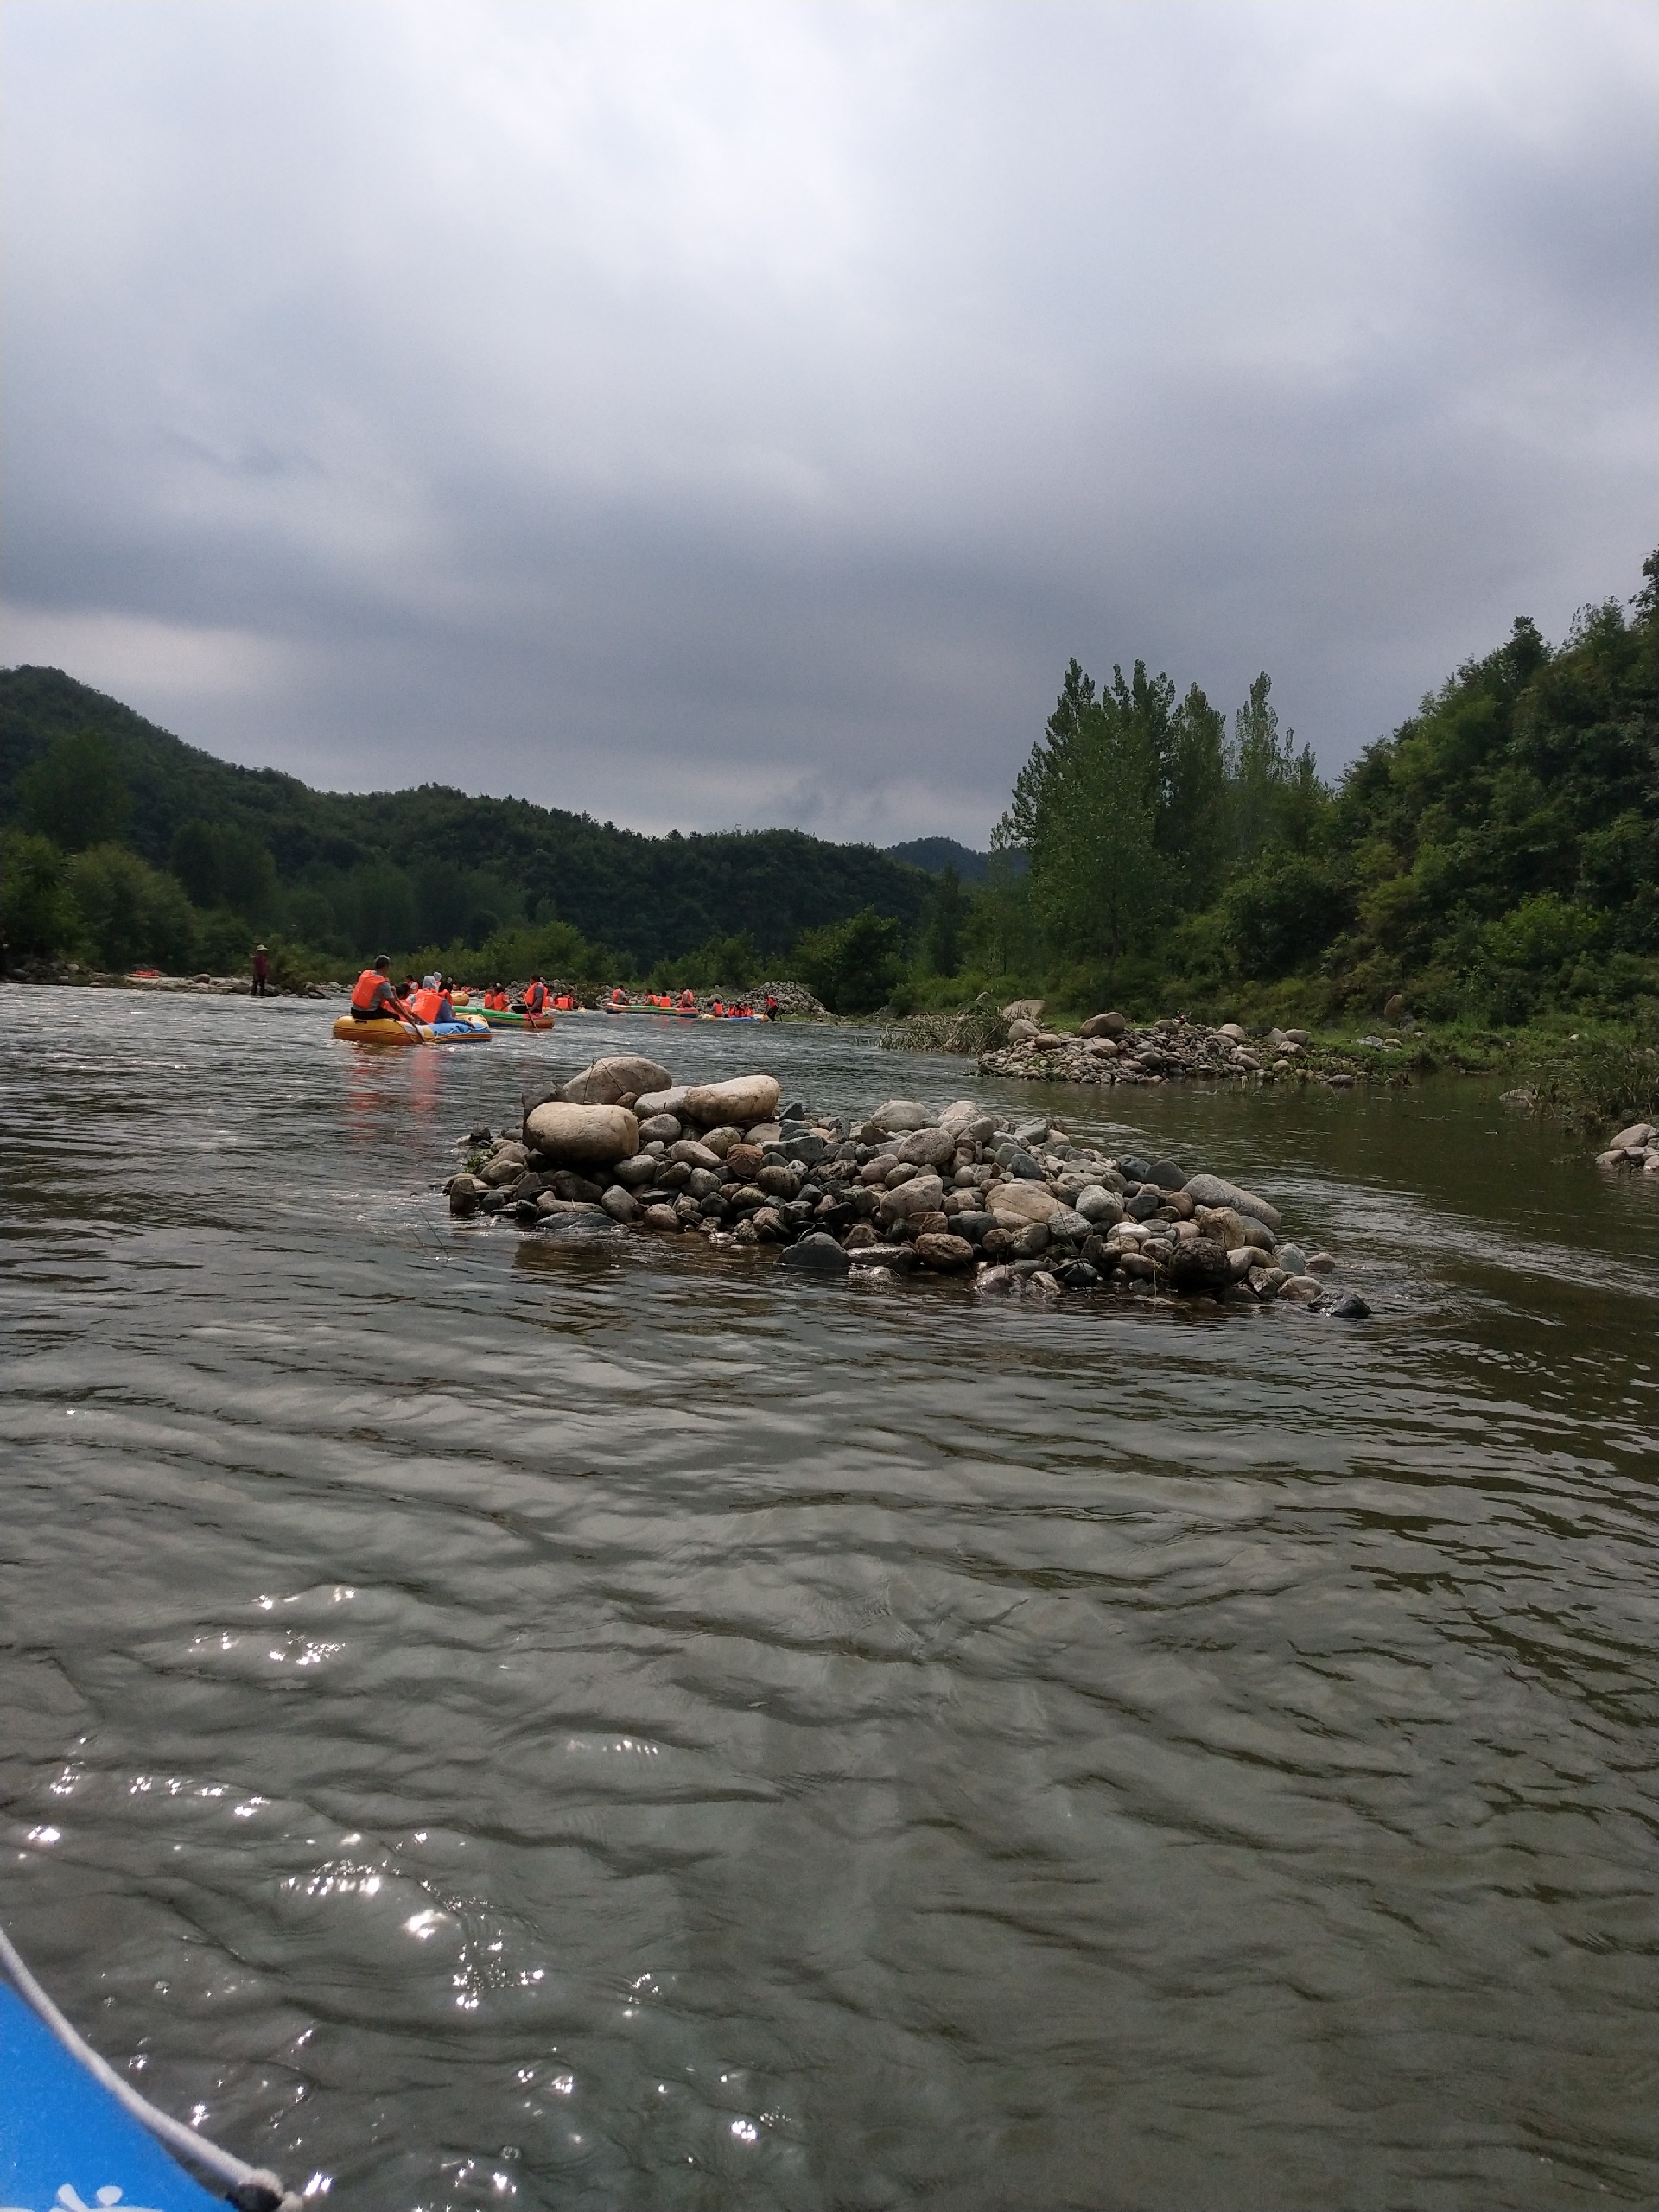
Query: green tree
{"x": 852, "y": 966}
{"x": 132, "y": 912}
{"x": 1084, "y": 810}
{"x": 75, "y": 793}
{"x": 1194, "y": 822}
{"x": 945, "y": 920}
{"x": 38, "y": 914}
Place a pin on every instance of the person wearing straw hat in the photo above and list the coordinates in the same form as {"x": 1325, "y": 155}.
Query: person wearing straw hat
{"x": 261, "y": 973}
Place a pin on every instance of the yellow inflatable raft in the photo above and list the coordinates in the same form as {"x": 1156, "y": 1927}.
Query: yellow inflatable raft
{"x": 467, "y": 1029}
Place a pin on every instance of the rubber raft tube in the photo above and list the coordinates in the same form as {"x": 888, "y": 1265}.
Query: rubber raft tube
{"x": 504, "y": 1018}
{"x": 74, "y": 2132}
{"x": 386, "y": 1032}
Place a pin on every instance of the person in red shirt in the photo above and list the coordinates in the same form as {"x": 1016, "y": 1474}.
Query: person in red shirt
{"x": 261, "y": 973}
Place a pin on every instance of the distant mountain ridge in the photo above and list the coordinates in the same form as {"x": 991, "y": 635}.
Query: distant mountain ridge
{"x": 657, "y": 898}
{"x": 937, "y": 853}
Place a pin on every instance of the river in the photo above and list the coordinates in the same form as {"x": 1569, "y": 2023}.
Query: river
{"x": 599, "y": 1724}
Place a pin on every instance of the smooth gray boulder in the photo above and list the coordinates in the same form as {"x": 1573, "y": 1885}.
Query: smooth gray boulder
{"x": 744, "y": 1099}
{"x": 1215, "y": 1191}
{"x": 929, "y": 1147}
{"x": 598, "y": 1134}
{"x": 899, "y": 1115}
{"x": 624, "y": 1075}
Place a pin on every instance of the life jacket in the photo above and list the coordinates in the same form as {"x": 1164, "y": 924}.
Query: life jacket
{"x": 619, "y": 998}
{"x": 535, "y": 997}
{"x": 424, "y": 1005}
{"x": 687, "y": 1000}
{"x": 363, "y": 989}
{"x": 565, "y": 1003}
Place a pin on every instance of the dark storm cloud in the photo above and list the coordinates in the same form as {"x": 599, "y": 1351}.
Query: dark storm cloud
{"x": 721, "y": 415}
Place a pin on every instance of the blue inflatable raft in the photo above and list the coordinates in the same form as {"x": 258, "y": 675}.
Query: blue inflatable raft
{"x": 75, "y": 2137}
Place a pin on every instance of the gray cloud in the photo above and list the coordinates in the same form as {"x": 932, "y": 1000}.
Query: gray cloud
{"x": 735, "y": 414}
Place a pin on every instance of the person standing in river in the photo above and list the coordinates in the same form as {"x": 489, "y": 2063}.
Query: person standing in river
{"x": 261, "y": 973}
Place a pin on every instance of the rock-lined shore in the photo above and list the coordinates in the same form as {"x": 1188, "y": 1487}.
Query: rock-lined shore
{"x": 1635, "y": 1149}
{"x": 1013, "y": 1206}
{"x": 1110, "y": 1049}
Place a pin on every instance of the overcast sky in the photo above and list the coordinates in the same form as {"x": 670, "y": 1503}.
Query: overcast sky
{"x": 713, "y": 414}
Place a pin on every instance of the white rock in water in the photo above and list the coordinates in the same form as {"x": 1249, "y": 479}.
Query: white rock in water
{"x": 567, "y": 1132}
{"x": 1215, "y": 1191}
{"x": 1015, "y": 1204}
{"x": 745, "y": 1098}
{"x": 900, "y": 1115}
{"x": 622, "y": 1075}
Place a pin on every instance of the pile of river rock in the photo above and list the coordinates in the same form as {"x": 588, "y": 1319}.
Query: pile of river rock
{"x": 1635, "y": 1149}
{"x": 958, "y": 1192}
{"x": 1109, "y": 1049}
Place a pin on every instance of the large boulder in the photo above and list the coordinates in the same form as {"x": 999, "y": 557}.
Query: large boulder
{"x": 623, "y": 1076}
{"x": 1104, "y": 1025}
{"x": 1015, "y": 1204}
{"x": 1200, "y": 1263}
{"x": 599, "y": 1134}
{"x": 899, "y": 1115}
{"x": 921, "y": 1194}
{"x": 744, "y": 1099}
{"x": 817, "y": 1251}
{"x": 944, "y": 1251}
{"x": 929, "y": 1147}
{"x": 671, "y": 1101}
{"x": 1215, "y": 1191}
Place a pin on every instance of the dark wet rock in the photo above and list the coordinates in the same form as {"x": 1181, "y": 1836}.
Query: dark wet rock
{"x": 818, "y": 1252}
{"x": 620, "y": 1205}
{"x": 1080, "y": 1275}
{"x": 937, "y": 1249}
{"x": 1166, "y": 1175}
{"x": 465, "y": 1193}
{"x": 1200, "y": 1263}
{"x": 1142, "y": 1205}
{"x": 1350, "y": 1307}
{"x": 1136, "y": 1170}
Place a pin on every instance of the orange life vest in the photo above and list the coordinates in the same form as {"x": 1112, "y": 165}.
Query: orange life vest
{"x": 535, "y": 997}
{"x": 363, "y": 989}
{"x": 424, "y": 1006}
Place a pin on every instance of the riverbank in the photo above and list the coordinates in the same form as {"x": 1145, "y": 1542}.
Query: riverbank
{"x": 904, "y": 1190}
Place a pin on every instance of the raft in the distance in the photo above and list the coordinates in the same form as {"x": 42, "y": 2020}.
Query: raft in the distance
{"x": 508, "y": 1018}
{"x": 383, "y": 1031}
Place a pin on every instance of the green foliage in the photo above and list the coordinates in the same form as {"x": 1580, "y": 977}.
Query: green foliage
{"x": 946, "y": 914}
{"x": 222, "y": 864}
{"x": 38, "y": 914}
{"x": 730, "y": 962}
{"x": 852, "y": 966}
{"x": 1494, "y": 859}
{"x": 133, "y": 914}
{"x": 75, "y": 792}
{"x": 361, "y": 873}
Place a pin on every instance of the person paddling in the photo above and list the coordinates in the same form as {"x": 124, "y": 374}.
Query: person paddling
{"x": 372, "y": 996}
{"x": 535, "y": 996}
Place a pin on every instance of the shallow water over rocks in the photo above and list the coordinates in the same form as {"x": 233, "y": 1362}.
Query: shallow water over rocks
{"x": 588, "y": 1723}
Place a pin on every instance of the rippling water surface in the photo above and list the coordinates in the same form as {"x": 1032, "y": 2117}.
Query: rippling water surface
{"x": 598, "y": 1724}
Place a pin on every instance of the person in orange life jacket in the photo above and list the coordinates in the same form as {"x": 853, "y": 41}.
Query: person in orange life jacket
{"x": 432, "y": 1003}
{"x": 535, "y": 994}
{"x": 495, "y": 1000}
{"x": 373, "y": 997}
{"x": 688, "y": 1002}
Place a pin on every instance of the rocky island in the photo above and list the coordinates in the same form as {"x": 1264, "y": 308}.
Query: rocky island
{"x": 1015, "y": 1206}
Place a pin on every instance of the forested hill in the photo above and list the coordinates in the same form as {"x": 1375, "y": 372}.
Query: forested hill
{"x": 432, "y": 866}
